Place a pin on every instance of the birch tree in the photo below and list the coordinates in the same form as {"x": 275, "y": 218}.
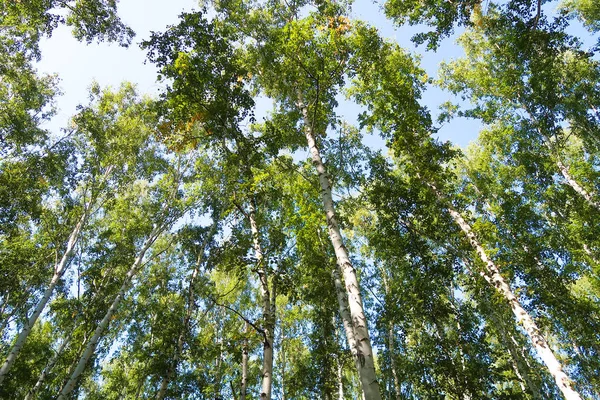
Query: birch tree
{"x": 96, "y": 172}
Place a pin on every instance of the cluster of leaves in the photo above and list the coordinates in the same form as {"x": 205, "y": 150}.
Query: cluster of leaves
{"x": 193, "y": 236}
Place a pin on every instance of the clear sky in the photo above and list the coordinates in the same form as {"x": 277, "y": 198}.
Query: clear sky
{"x": 78, "y": 64}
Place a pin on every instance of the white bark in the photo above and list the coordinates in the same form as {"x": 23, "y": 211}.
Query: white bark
{"x": 244, "y": 384}
{"x": 218, "y": 366}
{"x": 576, "y": 186}
{"x": 268, "y": 315}
{"x": 519, "y": 361}
{"x": 164, "y": 385}
{"x": 59, "y": 270}
{"x": 340, "y": 379}
{"x": 393, "y": 362}
{"x": 461, "y": 353}
{"x": 494, "y": 278}
{"x": 521, "y": 365}
{"x": 283, "y": 365}
{"x": 393, "y": 366}
{"x": 44, "y": 374}
{"x": 517, "y": 371}
{"x": 91, "y": 346}
{"x": 366, "y": 362}
{"x": 561, "y": 166}
{"x": 191, "y": 307}
{"x": 345, "y": 311}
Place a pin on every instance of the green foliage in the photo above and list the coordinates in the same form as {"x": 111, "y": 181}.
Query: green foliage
{"x": 194, "y": 166}
{"x": 207, "y": 99}
{"x": 443, "y": 15}
{"x": 28, "y": 21}
{"x": 586, "y": 10}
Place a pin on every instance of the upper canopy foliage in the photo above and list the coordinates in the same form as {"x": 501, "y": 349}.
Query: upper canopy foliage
{"x": 172, "y": 244}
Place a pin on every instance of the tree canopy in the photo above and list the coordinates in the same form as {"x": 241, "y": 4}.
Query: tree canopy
{"x": 189, "y": 246}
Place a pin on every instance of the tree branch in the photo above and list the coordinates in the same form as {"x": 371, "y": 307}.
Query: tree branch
{"x": 256, "y": 328}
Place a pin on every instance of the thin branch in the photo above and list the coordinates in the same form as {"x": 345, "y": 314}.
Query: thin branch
{"x": 538, "y": 13}
{"x": 291, "y": 168}
{"x": 256, "y": 328}
{"x": 239, "y": 207}
{"x": 375, "y": 296}
{"x": 232, "y": 289}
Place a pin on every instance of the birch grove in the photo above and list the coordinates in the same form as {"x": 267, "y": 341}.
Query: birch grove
{"x": 293, "y": 210}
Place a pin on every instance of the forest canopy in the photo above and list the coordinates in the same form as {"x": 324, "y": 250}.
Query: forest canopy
{"x": 188, "y": 245}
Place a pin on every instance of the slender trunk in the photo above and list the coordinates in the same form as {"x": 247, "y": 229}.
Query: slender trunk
{"x": 576, "y": 186}
{"x": 244, "y": 384}
{"x": 520, "y": 364}
{"x": 494, "y": 278}
{"x": 340, "y": 380}
{"x": 564, "y": 171}
{"x": 521, "y": 371}
{"x": 50, "y": 365}
{"x": 91, "y": 347}
{"x": 268, "y": 316}
{"x": 283, "y": 366}
{"x": 191, "y": 307}
{"x": 345, "y": 312}
{"x": 391, "y": 341}
{"x": 518, "y": 358}
{"x": 218, "y": 376}
{"x": 2, "y": 310}
{"x": 59, "y": 270}
{"x": 44, "y": 374}
{"x": 366, "y": 362}
{"x": 458, "y": 377}
{"x": 219, "y": 359}
{"x": 461, "y": 353}
{"x": 164, "y": 385}
{"x": 517, "y": 372}
{"x": 8, "y": 318}
{"x": 393, "y": 362}
{"x": 77, "y": 353}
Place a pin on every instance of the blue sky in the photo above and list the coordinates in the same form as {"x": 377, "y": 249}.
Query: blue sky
{"x": 78, "y": 64}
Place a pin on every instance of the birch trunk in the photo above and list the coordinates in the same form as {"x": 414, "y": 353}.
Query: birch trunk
{"x": 77, "y": 353}
{"x": 391, "y": 342}
{"x": 366, "y": 362}
{"x": 244, "y": 383}
{"x": 5, "y": 320}
{"x": 564, "y": 171}
{"x": 219, "y": 358}
{"x": 191, "y": 307}
{"x": 283, "y": 366}
{"x": 576, "y": 186}
{"x": 268, "y": 317}
{"x": 461, "y": 353}
{"x": 219, "y": 374}
{"x": 59, "y": 270}
{"x": 340, "y": 379}
{"x": 345, "y": 312}
{"x": 521, "y": 370}
{"x": 44, "y": 374}
{"x": 494, "y": 278}
{"x": 393, "y": 362}
{"x": 91, "y": 346}
{"x": 164, "y": 385}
